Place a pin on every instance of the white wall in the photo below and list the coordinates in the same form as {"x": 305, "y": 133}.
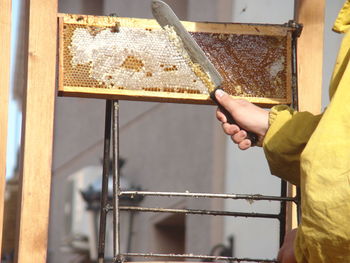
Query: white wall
{"x": 262, "y": 11}
{"x": 247, "y": 172}
{"x": 208, "y": 10}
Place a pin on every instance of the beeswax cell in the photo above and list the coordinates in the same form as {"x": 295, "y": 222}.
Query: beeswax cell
{"x": 135, "y": 59}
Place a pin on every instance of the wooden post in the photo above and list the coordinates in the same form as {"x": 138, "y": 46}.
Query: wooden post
{"x": 310, "y": 13}
{"x": 5, "y": 43}
{"x": 37, "y": 133}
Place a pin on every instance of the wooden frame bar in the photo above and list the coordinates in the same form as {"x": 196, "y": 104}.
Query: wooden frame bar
{"x": 282, "y": 31}
{"x": 37, "y": 134}
{"x": 5, "y": 48}
{"x": 310, "y": 13}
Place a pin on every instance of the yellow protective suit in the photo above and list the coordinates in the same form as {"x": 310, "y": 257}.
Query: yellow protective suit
{"x": 314, "y": 153}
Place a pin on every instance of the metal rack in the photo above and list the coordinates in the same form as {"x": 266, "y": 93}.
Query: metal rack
{"x": 112, "y": 138}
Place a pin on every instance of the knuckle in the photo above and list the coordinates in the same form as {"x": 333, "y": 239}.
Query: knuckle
{"x": 233, "y": 138}
{"x": 242, "y": 134}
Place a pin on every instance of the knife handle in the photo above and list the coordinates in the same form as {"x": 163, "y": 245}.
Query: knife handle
{"x": 250, "y": 135}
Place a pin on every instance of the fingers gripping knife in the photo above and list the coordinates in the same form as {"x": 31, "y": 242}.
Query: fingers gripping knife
{"x": 166, "y": 17}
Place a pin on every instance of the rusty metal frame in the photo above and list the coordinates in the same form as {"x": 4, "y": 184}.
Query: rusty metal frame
{"x": 112, "y": 140}
{"x": 112, "y": 134}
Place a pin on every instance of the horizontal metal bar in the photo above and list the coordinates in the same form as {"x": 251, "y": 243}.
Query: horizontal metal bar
{"x": 192, "y": 256}
{"x": 253, "y": 197}
{"x": 198, "y": 212}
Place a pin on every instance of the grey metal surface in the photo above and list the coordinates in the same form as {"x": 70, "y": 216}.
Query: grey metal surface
{"x": 116, "y": 179}
{"x": 198, "y": 212}
{"x": 192, "y": 256}
{"x": 105, "y": 174}
{"x": 251, "y": 197}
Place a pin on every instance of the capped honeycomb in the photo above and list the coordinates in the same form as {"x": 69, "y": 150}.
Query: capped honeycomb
{"x": 121, "y": 54}
{"x": 130, "y": 58}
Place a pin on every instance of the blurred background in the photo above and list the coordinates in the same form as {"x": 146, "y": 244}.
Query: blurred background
{"x": 163, "y": 147}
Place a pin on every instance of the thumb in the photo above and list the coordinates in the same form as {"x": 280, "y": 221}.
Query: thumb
{"x": 224, "y": 99}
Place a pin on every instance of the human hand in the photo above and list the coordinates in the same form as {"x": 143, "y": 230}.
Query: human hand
{"x": 247, "y": 116}
{"x": 286, "y": 253}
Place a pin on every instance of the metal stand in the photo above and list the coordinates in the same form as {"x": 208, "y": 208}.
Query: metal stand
{"x": 112, "y": 135}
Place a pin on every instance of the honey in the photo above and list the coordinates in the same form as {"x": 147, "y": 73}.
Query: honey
{"x": 133, "y": 63}
{"x": 114, "y": 56}
{"x": 252, "y": 65}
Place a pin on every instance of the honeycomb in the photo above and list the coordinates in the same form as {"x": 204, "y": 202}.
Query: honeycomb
{"x": 121, "y": 56}
{"x": 251, "y": 65}
{"x": 129, "y": 58}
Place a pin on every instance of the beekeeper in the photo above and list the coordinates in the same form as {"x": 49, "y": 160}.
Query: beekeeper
{"x": 312, "y": 152}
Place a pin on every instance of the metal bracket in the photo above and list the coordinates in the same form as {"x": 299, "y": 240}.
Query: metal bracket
{"x": 297, "y": 28}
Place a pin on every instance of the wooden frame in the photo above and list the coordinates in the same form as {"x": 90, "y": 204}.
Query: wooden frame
{"x": 37, "y": 134}
{"x": 311, "y": 14}
{"x": 5, "y": 47}
{"x": 282, "y": 31}
{"x": 310, "y": 54}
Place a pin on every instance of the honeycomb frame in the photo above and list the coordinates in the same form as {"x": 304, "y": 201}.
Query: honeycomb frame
{"x": 205, "y": 33}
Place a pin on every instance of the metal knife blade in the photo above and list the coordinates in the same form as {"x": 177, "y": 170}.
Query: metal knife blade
{"x": 165, "y": 16}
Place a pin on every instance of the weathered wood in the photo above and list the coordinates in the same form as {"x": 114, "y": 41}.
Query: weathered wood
{"x": 140, "y": 95}
{"x": 5, "y": 43}
{"x": 254, "y": 29}
{"x": 310, "y": 13}
{"x": 257, "y": 91}
{"x": 37, "y": 133}
{"x": 310, "y": 53}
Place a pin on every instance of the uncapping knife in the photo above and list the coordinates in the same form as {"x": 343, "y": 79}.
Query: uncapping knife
{"x": 165, "y": 16}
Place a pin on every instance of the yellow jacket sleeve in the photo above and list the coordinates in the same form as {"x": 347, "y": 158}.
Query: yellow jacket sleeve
{"x": 286, "y": 139}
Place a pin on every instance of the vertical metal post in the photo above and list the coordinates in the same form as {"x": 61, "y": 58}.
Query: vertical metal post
{"x": 105, "y": 174}
{"x": 283, "y": 210}
{"x": 284, "y": 185}
{"x": 298, "y": 205}
{"x": 295, "y": 104}
{"x": 116, "y": 183}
